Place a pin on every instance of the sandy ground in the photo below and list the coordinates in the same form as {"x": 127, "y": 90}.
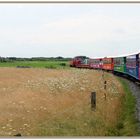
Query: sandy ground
{"x": 29, "y": 96}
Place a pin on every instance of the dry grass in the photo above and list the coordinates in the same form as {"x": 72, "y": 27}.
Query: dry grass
{"x": 37, "y": 102}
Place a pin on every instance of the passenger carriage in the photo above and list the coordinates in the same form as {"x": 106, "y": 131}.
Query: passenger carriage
{"x": 120, "y": 64}
{"x": 96, "y": 63}
{"x": 132, "y": 65}
{"x": 108, "y": 64}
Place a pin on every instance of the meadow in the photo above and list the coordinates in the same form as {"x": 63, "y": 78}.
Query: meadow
{"x": 53, "y": 64}
{"x": 56, "y": 102}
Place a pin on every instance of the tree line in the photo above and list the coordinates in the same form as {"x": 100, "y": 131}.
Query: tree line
{"x": 11, "y": 59}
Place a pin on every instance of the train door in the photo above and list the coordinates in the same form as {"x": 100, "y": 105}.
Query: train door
{"x": 124, "y": 64}
{"x": 139, "y": 65}
{"x": 112, "y": 64}
{"x": 132, "y": 66}
{"x": 101, "y": 63}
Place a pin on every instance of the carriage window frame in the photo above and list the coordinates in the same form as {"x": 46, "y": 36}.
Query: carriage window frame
{"x": 131, "y": 62}
{"x": 107, "y": 61}
{"x": 119, "y": 61}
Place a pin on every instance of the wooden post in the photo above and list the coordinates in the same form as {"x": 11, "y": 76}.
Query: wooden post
{"x": 93, "y": 101}
{"x": 105, "y": 83}
{"x": 18, "y": 135}
{"x": 103, "y": 74}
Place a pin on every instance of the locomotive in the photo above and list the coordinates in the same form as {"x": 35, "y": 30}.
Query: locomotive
{"x": 126, "y": 65}
{"x": 80, "y": 62}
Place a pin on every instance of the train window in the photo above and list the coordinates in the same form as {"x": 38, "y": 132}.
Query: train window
{"x": 91, "y": 60}
{"x": 119, "y": 61}
{"x": 85, "y": 61}
{"x": 95, "y": 61}
{"x": 107, "y": 61}
{"x": 131, "y": 57}
{"x": 131, "y": 62}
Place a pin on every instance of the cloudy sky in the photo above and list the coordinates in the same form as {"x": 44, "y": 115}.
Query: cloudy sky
{"x": 68, "y": 30}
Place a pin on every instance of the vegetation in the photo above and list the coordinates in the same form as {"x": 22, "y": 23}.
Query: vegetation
{"x": 35, "y": 62}
{"x": 53, "y": 64}
{"x": 44, "y": 102}
{"x": 79, "y": 120}
{"x": 128, "y": 124}
{"x": 11, "y": 59}
{"x": 83, "y": 122}
{"x": 59, "y": 100}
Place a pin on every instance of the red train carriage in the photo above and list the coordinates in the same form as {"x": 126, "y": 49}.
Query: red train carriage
{"x": 95, "y": 63}
{"x": 108, "y": 64}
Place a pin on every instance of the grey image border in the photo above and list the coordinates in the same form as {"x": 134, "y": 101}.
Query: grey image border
{"x": 73, "y": 2}
{"x": 69, "y": 2}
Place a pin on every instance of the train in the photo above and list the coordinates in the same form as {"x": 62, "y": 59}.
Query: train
{"x": 126, "y": 65}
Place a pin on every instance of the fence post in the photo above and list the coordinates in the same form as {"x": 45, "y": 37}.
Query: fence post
{"x": 105, "y": 83}
{"x": 18, "y": 135}
{"x": 93, "y": 101}
{"x": 102, "y": 74}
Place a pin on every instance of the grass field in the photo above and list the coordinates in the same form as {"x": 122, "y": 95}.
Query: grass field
{"x": 56, "y": 102}
{"x": 36, "y": 64}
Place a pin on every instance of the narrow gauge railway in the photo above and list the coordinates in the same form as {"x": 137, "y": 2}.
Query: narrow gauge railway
{"x": 126, "y": 66}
